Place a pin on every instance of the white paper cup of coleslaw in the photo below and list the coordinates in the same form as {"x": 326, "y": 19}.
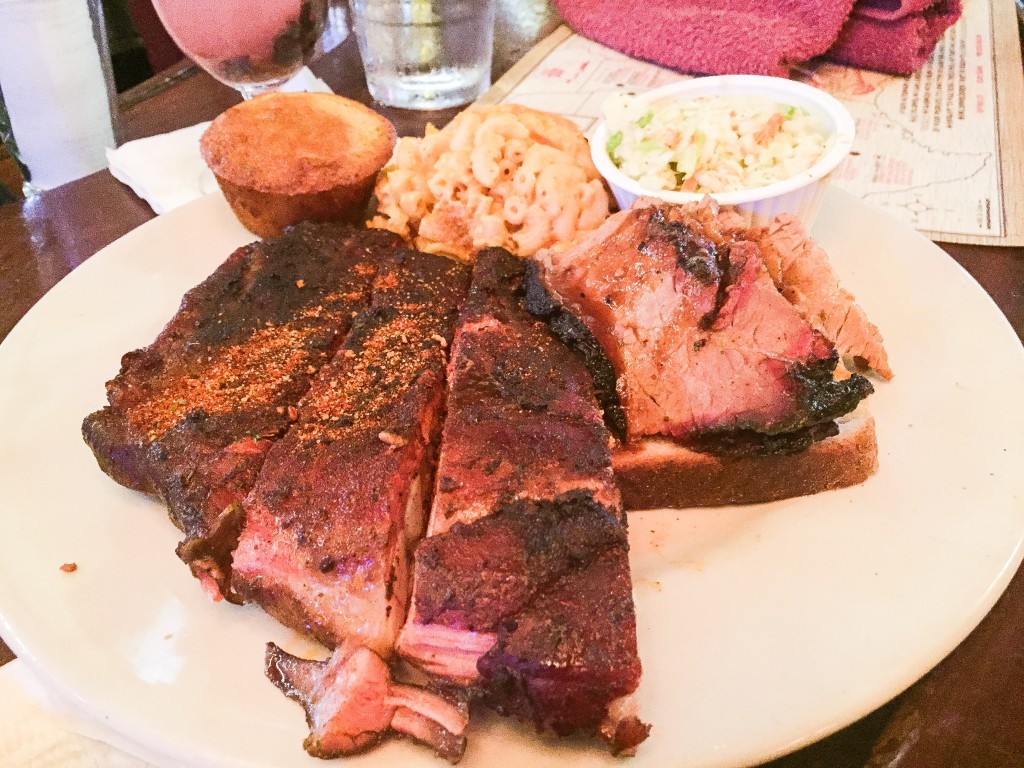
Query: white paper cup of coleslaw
{"x": 799, "y": 195}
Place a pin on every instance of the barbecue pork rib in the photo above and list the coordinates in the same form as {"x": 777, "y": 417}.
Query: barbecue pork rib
{"x": 705, "y": 347}
{"x": 522, "y": 590}
{"x": 521, "y": 415}
{"x": 191, "y": 417}
{"x": 351, "y": 703}
{"x": 342, "y": 496}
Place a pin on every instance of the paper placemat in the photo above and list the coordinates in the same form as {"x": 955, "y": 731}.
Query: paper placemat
{"x": 942, "y": 149}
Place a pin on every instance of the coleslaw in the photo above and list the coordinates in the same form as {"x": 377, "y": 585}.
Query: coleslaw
{"x": 711, "y": 144}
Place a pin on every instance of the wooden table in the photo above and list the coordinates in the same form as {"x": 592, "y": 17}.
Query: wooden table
{"x": 966, "y": 713}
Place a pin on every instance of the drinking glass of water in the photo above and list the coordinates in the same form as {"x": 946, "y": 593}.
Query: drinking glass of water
{"x": 252, "y": 45}
{"x": 425, "y": 54}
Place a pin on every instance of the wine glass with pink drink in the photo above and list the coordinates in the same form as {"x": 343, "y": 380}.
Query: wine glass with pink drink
{"x": 251, "y": 45}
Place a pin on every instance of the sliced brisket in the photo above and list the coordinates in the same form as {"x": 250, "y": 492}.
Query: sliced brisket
{"x": 701, "y": 339}
{"x": 522, "y": 588}
{"x": 191, "y": 417}
{"x": 801, "y": 270}
{"x": 343, "y": 494}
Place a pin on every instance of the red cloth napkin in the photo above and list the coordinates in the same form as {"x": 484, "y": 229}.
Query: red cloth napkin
{"x": 757, "y": 37}
{"x": 892, "y": 36}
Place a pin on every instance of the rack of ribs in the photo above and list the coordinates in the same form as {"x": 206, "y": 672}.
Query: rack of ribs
{"x": 522, "y": 589}
{"x": 191, "y": 417}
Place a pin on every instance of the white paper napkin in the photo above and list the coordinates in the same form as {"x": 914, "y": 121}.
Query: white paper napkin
{"x": 167, "y": 171}
{"x": 38, "y": 731}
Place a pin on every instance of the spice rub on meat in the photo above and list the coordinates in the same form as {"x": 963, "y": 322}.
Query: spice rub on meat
{"x": 340, "y": 502}
{"x": 341, "y": 497}
{"x": 706, "y": 348}
{"x": 522, "y": 590}
{"x": 192, "y": 416}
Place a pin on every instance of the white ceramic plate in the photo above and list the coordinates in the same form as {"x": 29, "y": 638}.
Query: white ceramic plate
{"x": 761, "y": 628}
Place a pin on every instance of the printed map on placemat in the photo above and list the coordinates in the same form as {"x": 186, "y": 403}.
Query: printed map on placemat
{"x": 927, "y": 146}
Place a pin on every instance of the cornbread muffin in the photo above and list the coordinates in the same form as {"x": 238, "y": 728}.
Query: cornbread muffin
{"x": 282, "y": 158}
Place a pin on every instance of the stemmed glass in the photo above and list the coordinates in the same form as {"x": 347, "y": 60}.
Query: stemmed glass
{"x": 252, "y": 45}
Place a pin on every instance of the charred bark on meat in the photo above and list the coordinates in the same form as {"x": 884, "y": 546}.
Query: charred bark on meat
{"x": 821, "y": 400}
{"x": 695, "y": 253}
{"x": 522, "y": 588}
{"x": 821, "y": 396}
{"x": 575, "y": 335}
{"x": 551, "y": 579}
{"x": 191, "y": 417}
{"x": 496, "y": 565}
{"x": 740, "y": 443}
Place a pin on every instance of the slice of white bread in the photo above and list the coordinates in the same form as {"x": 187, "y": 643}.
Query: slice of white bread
{"x": 659, "y": 472}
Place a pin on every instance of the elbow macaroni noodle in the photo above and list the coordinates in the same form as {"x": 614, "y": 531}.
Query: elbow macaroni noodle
{"x": 503, "y": 176}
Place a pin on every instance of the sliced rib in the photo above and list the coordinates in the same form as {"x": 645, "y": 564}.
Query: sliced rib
{"x": 329, "y": 521}
{"x": 351, "y": 703}
{"x": 521, "y": 415}
{"x": 191, "y": 417}
{"x": 522, "y": 588}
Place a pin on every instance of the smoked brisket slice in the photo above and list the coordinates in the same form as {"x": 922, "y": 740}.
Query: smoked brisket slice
{"x": 522, "y": 589}
{"x": 342, "y": 496}
{"x": 191, "y": 417}
{"x": 701, "y": 339}
{"x": 802, "y": 272}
